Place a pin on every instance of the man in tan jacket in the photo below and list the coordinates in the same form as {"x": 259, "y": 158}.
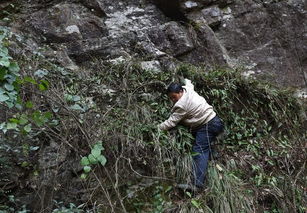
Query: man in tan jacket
{"x": 192, "y": 110}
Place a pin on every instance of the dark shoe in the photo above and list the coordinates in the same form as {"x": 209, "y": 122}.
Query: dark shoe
{"x": 189, "y": 187}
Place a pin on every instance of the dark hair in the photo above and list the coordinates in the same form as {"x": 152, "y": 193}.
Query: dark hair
{"x": 174, "y": 87}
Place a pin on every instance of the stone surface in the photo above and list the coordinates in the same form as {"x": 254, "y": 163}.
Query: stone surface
{"x": 213, "y": 15}
{"x": 264, "y": 37}
{"x": 154, "y": 66}
{"x": 271, "y": 37}
{"x": 172, "y": 38}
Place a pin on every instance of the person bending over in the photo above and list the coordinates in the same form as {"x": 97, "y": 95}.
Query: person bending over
{"x": 192, "y": 110}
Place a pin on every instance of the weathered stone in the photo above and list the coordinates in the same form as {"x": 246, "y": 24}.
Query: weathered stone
{"x": 95, "y": 6}
{"x": 267, "y": 37}
{"x": 66, "y": 22}
{"x": 154, "y": 66}
{"x": 272, "y": 37}
{"x": 213, "y": 15}
{"x": 208, "y": 49}
{"x": 172, "y": 38}
{"x": 189, "y": 5}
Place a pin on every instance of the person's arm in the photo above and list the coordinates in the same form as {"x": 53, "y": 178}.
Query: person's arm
{"x": 177, "y": 115}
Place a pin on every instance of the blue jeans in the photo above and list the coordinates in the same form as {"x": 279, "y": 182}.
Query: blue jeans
{"x": 204, "y": 136}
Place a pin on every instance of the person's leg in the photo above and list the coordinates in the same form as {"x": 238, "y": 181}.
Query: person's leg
{"x": 201, "y": 152}
{"x": 202, "y": 149}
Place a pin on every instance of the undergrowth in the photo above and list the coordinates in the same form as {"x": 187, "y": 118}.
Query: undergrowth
{"x": 261, "y": 163}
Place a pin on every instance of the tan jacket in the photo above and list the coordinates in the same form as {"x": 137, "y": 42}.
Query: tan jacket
{"x": 191, "y": 110}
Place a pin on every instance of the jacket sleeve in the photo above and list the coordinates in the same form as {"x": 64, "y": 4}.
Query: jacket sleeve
{"x": 176, "y": 116}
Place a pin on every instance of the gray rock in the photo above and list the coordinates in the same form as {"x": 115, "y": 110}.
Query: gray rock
{"x": 172, "y": 38}
{"x": 95, "y": 6}
{"x": 272, "y": 37}
{"x": 213, "y": 15}
{"x": 66, "y": 22}
{"x": 208, "y": 50}
{"x": 154, "y": 66}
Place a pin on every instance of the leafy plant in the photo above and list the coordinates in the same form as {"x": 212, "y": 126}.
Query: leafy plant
{"x": 9, "y": 73}
{"x": 94, "y": 158}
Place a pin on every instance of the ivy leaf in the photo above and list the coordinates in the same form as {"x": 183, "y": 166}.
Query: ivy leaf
{"x": 92, "y": 159}
{"x": 87, "y": 169}
{"x": 28, "y": 128}
{"x": 3, "y": 51}
{"x": 76, "y": 107}
{"x": 85, "y": 161}
{"x": 83, "y": 176}
{"x": 102, "y": 159}
{"x": 76, "y": 98}
{"x": 11, "y": 126}
{"x": 96, "y": 152}
{"x": 41, "y": 73}
{"x": 3, "y": 97}
{"x": 99, "y": 146}
{"x": 5, "y": 62}
{"x": 9, "y": 87}
{"x": 14, "y": 67}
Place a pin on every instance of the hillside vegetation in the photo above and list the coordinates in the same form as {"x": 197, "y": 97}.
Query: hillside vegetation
{"x": 87, "y": 141}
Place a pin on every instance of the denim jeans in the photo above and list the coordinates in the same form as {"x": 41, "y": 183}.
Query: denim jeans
{"x": 204, "y": 136}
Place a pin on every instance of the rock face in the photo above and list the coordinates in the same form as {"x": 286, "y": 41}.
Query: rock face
{"x": 265, "y": 38}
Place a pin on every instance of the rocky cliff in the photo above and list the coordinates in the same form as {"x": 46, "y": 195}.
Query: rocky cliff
{"x": 265, "y": 38}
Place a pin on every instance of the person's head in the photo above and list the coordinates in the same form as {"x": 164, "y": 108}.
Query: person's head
{"x": 174, "y": 92}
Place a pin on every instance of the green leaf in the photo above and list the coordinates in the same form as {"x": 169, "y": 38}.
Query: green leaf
{"x": 76, "y": 98}
{"x": 189, "y": 194}
{"x": 92, "y": 159}
{"x": 28, "y": 128}
{"x": 76, "y": 107}
{"x": 68, "y": 97}
{"x": 41, "y": 73}
{"x": 195, "y": 203}
{"x": 34, "y": 148}
{"x": 3, "y": 51}
{"x": 14, "y": 120}
{"x": 5, "y": 62}
{"x": 98, "y": 146}
{"x": 83, "y": 176}
{"x": 87, "y": 169}
{"x": 85, "y": 161}
{"x": 25, "y": 164}
{"x": 14, "y": 67}
{"x": 11, "y": 126}
{"x": 48, "y": 115}
{"x": 29, "y": 104}
{"x": 102, "y": 159}
{"x": 43, "y": 85}
{"x": 9, "y": 87}
{"x": 2, "y": 73}
{"x": 29, "y": 80}
{"x": 96, "y": 152}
